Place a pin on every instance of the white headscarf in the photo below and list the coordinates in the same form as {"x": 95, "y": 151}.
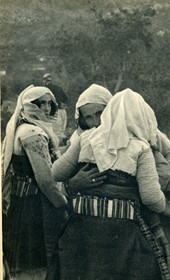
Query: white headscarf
{"x": 93, "y": 94}
{"x": 33, "y": 114}
{"x": 126, "y": 115}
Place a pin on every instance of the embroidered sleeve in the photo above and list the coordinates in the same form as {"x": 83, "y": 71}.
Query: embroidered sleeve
{"x": 148, "y": 181}
{"x": 37, "y": 145}
{"x": 36, "y": 148}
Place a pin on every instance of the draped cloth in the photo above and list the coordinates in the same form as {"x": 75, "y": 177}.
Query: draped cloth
{"x": 29, "y": 217}
{"x": 94, "y": 94}
{"x": 126, "y": 115}
{"x": 34, "y": 115}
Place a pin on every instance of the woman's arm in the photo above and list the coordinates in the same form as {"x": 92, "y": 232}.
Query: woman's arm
{"x": 36, "y": 148}
{"x": 64, "y": 167}
{"x": 148, "y": 181}
{"x": 163, "y": 170}
{"x": 163, "y": 145}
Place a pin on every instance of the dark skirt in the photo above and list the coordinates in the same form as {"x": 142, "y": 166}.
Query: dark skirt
{"x": 94, "y": 248}
{"x": 24, "y": 235}
{"x": 31, "y": 232}
{"x": 165, "y": 220}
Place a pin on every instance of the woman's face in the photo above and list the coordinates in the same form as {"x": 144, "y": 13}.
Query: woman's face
{"x": 91, "y": 114}
{"x": 45, "y": 104}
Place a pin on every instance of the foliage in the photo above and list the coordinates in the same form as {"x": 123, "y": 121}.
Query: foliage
{"x": 123, "y": 36}
{"x": 80, "y": 43}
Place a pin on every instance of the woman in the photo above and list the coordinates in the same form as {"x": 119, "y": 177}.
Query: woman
{"x": 31, "y": 201}
{"x": 89, "y": 108}
{"x": 97, "y": 95}
{"x": 109, "y": 236}
{"x": 94, "y": 99}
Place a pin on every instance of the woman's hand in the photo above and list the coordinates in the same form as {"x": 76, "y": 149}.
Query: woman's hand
{"x": 86, "y": 178}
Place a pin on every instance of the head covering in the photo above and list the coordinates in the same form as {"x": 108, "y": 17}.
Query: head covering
{"x": 46, "y": 75}
{"x": 127, "y": 115}
{"x": 93, "y": 94}
{"x": 33, "y": 114}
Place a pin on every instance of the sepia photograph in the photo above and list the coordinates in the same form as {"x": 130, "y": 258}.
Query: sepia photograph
{"x": 85, "y": 140}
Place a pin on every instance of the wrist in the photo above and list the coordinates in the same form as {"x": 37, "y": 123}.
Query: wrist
{"x": 70, "y": 188}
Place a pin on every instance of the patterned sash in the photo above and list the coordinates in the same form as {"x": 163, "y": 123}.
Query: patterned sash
{"x": 104, "y": 207}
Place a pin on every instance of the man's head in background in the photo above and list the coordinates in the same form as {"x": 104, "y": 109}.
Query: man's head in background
{"x": 47, "y": 79}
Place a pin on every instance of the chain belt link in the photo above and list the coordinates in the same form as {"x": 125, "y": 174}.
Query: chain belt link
{"x": 23, "y": 185}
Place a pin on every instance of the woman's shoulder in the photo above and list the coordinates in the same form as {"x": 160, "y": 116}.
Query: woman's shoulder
{"x": 137, "y": 144}
{"x": 27, "y": 130}
{"x": 76, "y": 135}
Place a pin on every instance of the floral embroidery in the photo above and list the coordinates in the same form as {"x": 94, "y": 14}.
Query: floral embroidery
{"x": 52, "y": 151}
{"x": 38, "y": 144}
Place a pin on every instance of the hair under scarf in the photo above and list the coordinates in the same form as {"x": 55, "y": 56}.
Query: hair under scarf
{"x": 94, "y": 94}
{"x": 25, "y": 108}
{"x": 125, "y": 115}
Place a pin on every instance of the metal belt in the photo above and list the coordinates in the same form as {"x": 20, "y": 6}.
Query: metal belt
{"x": 23, "y": 186}
{"x": 104, "y": 207}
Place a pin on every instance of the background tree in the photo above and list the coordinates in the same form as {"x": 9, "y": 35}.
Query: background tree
{"x": 114, "y": 44}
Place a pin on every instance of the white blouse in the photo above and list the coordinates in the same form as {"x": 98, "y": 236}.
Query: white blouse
{"x": 137, "y": 159}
